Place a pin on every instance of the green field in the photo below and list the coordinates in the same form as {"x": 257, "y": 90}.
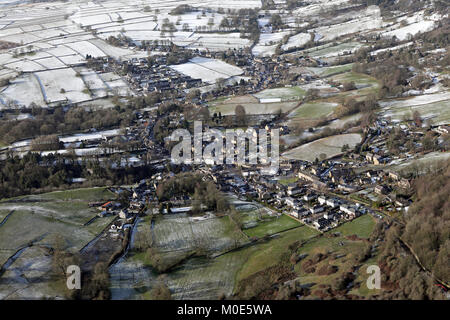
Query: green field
{"x": 362, "y": 227}
{"x": 267, "y": 254}
{"x": 272, "y": 226}
{"x": 340, "y": 252}
{"x": 288, "y": 181}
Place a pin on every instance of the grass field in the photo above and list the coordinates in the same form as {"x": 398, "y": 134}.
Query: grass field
{"x": 362, "y": 227}
{"x": 267, "y": 254}
{"x": 329, "y": 71}
{"x": 326, "y": 51}
{"x": 438, "y": 111}
{"x": 358, "y": 78}
{"x": 340, "y": 252}
{"x": 432, "y": 159}
{"x": 181, "y": 233}
{"x": 41, "y": 217}
{"x": 228, "y": 107}
{"x": 272, "y": 226}
{"x": 330, "y": 147}
{"x": 313, "y": 110}
{"x": 288, "y": 93}
{"x": 288, "y": 181}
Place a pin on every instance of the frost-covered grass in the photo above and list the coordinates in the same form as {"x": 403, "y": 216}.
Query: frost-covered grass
{"x": 288, "y": 93}
{"x": 313, "y": 110}
{"x": 432, "y": 106}
{"x": 327, "y": 51}
{"x": 330, "y": 146}
{"x": 42, "y": 217}
{"x": 329, "y": 71}
{"x": 255, "y": 108}
{"x": 181, "y": 233}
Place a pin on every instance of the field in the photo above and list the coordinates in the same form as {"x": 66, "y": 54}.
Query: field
{"x": 372, "y": 21}
{"x": 432, "y": 106}
{"x": 328, "y": 71}
{"x": 251, "y": 106}
{"x": 267, "y": 254}
{"x": 362, "y": 227}
{"x": 313, "y": 111}
{"x": 272, "y": 226}
{"x": 360, "y": 80}
{"x": 297, "y": 41}
{"x": 430, "y": 160}
{"x": 268, "y": 43}
{"x": 33, "y": 225}
{"x": 284, "y": 94}
{"x": 180, "y": 233}
{"x": 209, "y": 70}
{"x": 329, "y": 51}
{"x": 72, "y": 89}
{"x": 330, "y": 147}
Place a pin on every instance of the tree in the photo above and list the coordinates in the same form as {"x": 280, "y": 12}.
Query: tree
{"x": 276, "y": 21}
{"x": 160, "y": 292}
{"x": 241, "y": 115}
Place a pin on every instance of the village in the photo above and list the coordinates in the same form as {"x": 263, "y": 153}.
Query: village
{"x": 357, "y": 94}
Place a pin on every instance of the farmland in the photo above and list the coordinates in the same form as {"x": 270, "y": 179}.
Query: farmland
{"x": 251, "y": 105}
{"x": 36, "y": 223}
{"x": 329, "y": 147}
{"x": 432, "y": 106}
{"x": 209, "y": 70}
{"x": 313, "y": 110}
{"x": 283, "y": 94}
{"x": 272, "y": 226}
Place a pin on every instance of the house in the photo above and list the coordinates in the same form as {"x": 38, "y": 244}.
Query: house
{"x": 443, "y": 129}
{"x": 106, "y": 206}
{"x": 348, "y": 210}
{"x": 404, "y": 183}
{"x": 321, "y": 223}
{"x": 290, "y": 201}
{"x": 343, "y": 174}
{"x": 102, "y": 214}
{"x": 382, "y": 190}
{"x": 294, "y": 191}
{"x": 322, "y": 200}
{"x": 333, "y": 203}
{"x": 310, "y": 196}
{"x": 394, "y": 175}
{"x": 123, "y": 214}
{"x": 316, "y": 209}
{"x": 348, "y": 188}
{"x": 328, "y": 215}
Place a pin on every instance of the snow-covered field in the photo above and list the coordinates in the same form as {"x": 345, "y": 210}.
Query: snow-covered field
{"x": 297, "y": 41}
{"x": 55, "y": 90}
{"x": 209, "y": 70}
